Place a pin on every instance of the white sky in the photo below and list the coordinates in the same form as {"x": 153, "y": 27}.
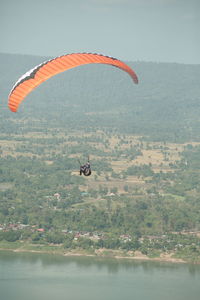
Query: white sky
{"x": 146, "y": 30}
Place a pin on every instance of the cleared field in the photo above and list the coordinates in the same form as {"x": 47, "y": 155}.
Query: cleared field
{"x": 118, "y": 153}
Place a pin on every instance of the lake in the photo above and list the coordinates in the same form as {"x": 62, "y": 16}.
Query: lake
{"x": 47, "y": 277}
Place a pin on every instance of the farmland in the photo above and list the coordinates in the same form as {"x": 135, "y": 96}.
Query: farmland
{"x": 144, "y": 148}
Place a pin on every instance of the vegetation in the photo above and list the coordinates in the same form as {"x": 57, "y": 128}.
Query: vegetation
{"x": 144, "y": 145}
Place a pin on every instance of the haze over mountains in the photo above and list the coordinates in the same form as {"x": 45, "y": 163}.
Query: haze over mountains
{"x": 165, "y": 105}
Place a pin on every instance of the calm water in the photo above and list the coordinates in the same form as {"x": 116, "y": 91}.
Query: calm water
{"x": 47, "y": 277}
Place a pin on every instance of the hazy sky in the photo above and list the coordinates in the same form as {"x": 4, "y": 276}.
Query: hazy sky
{"x": 149, "y": 30}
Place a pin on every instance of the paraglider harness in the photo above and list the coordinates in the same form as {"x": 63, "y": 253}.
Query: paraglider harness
{"x": 85, "y": 169}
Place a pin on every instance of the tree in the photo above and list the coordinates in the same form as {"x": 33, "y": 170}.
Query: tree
{"x": 12, "y": 236}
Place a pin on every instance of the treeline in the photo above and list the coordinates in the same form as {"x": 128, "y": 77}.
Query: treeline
{"x": 181, "y": 245}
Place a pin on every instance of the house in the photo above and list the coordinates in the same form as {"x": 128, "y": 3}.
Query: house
{"x": 57, "y": 195}
{"x": 40, "y": 230}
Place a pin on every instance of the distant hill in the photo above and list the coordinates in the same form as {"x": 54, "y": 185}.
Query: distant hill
{"x": 164, "y": 106}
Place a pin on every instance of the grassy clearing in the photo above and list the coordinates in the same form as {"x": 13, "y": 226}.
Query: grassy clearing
{"x": 159, "y": 156}
{"x": 5, "y": 186}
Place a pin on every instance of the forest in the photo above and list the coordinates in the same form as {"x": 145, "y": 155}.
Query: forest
{"x": 144, "y": 146}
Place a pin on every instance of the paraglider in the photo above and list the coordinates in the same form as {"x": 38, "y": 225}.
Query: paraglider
{"x": 85, "y": 169}
{"x": 47, "y": 69}
{"x": 34, "y": 77}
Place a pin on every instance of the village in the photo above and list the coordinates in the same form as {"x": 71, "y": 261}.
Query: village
{"x": 149, "y": 245}
{"x": 94, "y": 236}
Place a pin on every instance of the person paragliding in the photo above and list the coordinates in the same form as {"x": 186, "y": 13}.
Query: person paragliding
{"x": 42, "y": 72}
{"x": 85, "y": 169}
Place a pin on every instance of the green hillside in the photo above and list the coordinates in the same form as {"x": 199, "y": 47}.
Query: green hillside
{"x": 144, "y": 145}
{"x": 164, "y": 106}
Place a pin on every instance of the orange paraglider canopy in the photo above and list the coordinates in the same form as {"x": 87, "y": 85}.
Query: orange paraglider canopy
{"x": 42, "y": 72}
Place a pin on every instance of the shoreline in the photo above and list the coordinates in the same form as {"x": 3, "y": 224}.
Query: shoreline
{"x": 167, "y": 258}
